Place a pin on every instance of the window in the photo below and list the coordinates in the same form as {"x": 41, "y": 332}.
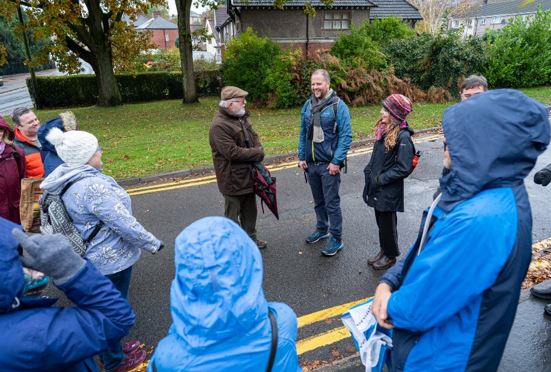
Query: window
{"x": 496, "y": 20}
{"x": 482, "y": 21}
{"x": 336, "y": 21}
{"x": 167, "y": 37}
{"x": 455, "y": 23}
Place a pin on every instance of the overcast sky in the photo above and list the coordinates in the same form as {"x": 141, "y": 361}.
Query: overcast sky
{"x": 172, "y": 8}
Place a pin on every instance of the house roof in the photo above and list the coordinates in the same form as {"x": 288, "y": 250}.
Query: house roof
{"x": 215, "y": 33}
{"x": 394, "y": 8}
{"x": 513, "y": 7}
{"x": 301, "y": 3}
{"x": 220, "y": 15}
{"x": 140, "y": 20}
{"x": 157, "y": 23}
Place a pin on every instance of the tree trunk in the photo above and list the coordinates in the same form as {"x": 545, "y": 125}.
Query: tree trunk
{"x": 186, "y": 51}
{"x": 108, "y": 89}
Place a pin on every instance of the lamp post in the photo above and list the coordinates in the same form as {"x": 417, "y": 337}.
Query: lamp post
{"x": 28, "y": 53}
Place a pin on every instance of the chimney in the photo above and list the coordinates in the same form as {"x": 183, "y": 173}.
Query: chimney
{"x": 156, "y": 14}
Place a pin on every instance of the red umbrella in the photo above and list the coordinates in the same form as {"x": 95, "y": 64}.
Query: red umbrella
{"x": 265, "y": 187}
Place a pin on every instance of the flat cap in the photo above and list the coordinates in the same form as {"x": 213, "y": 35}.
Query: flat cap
{"x": 230, "y": 92}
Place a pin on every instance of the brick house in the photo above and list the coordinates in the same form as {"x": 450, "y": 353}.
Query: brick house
{"x": 291, "y": 27}
{"x": 163, "y": 33}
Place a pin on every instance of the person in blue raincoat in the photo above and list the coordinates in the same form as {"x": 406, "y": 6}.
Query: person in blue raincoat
{"x": 65, "y": 121}
{"x": 38, "y": 337}
{"x": 219, "y": 313}
{"x": 452, "y": 303}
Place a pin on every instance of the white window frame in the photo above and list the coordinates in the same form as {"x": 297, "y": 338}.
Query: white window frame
{"x": 336, "y": 20}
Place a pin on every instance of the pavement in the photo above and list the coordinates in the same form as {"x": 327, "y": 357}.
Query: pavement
{"x": 319, "y": 289}
{"x": 14, "y": 93}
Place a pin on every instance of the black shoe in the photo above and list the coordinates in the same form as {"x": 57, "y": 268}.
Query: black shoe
{"x": 372, "y": 260}
{"x": 261, "y": 244}
{"x": 384, "y": 263}
{"x": 542, "y": 290}
{"x": 547, "y": 309}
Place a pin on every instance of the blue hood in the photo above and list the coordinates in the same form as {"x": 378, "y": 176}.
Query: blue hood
{"x": 494, "y": 139}
{"x": 45, "y": 129}
{"x": 217, "y": 292}
{"x": 11, "y": 271}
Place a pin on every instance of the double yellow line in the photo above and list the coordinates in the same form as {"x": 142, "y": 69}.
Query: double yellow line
{"x": 325, "y": 338}
{"x": 211, "y": 178}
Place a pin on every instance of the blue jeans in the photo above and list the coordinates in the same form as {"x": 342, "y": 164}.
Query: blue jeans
{"x": 327, "y": 203}
{"x": 113, "y": 357}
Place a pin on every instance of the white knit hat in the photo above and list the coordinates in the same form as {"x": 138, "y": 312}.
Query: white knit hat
{"x": 75, "y": 148}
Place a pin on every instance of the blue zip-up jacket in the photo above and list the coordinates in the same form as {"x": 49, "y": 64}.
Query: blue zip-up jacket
{"x": 337, "y": 139}
{"x": 453, "y": 305}
{"x": 219, "y": 313}
{"x": 37, "y": 337}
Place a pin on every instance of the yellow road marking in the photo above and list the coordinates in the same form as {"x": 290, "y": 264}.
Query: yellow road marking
{"x": 324, "y": 314}
{"x": 211, "y": 179}
{"x": 323, "y": 339}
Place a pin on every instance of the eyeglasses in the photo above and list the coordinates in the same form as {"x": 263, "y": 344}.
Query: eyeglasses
{"x": 242, "y": 101}
{"x": 445, "y": 145}
{"x": 99, "y": 149}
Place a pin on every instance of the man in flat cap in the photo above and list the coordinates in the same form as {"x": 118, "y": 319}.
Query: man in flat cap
{"x": 235, "y": 147}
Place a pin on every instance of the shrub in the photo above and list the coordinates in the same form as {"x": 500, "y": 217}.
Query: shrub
{"x": 81, "y": 90}
{"x": 520, "y": 53}
{"x": 284, "y": 79}
{"x": 248, "y": 61}
{"x": 437, "y": 60}
{"x": 362, "y": 46}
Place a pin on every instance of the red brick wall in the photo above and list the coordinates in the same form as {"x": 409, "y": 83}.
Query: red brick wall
{"x": 158, "y": 38}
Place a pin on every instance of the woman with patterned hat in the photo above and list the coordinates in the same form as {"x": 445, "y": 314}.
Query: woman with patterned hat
{"x": 390, "y": 164}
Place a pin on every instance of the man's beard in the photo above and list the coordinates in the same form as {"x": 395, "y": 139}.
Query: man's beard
{"x": 240, "y": 112}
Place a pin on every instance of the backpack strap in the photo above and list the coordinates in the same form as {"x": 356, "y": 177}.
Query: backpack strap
{"x": 273, "y": 349}
{"x": 98, "y": 226}
{"x": 335, "y": 104}
{"x": 336, "y": 129}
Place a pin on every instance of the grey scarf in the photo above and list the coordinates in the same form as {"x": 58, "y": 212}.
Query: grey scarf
{"x": 317, "y": 108}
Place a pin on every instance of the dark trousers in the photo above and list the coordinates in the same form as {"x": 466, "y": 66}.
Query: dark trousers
{"x": 388, "y": 233}
{"x": 242, "y": 210}
{"x": 113, "y": 357}
{"x": 327, "y": 202}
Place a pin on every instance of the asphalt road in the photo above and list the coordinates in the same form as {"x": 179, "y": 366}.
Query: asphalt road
{"x": 294, "y": 272}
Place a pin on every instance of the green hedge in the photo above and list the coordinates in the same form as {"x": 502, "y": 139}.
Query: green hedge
{"x": 81, "y": 90}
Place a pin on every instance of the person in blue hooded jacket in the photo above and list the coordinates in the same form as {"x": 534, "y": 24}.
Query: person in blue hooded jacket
{"x": 65, "y": 121}
{"x": 325, "y": 138}
{"x": 38, "y": 337}
{"x": 219, "y": 314}
{"x": 452, "y": 301}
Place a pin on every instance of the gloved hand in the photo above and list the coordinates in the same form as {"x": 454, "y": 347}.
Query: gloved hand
{"x": 543, "y": 177}
{"x": 51, "y": 254}
{"x": 160, "y": 247}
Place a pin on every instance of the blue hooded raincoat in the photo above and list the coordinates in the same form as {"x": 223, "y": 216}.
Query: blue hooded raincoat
{"x": 219, "y": 313}
{"x": 453, "y": 305}
{"x": 37, "y": 337}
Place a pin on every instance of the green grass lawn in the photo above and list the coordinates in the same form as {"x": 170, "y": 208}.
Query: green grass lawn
{"x": 163, "y": 136}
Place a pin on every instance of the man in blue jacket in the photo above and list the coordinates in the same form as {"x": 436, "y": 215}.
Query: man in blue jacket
{"x": 38, "y": 337}
{"x": 220, "y": 317}
{"x": 325, "y": 137}
{"x": 452, "y": 301}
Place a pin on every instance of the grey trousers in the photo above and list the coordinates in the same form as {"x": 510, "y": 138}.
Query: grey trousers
{"x": 242, "y": 210}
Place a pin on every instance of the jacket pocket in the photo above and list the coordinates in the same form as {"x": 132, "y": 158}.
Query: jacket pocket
{"x": 241, "y": 178}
